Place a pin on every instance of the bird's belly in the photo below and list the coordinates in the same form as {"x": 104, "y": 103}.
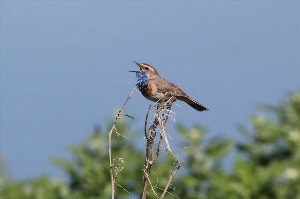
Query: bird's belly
{"x": 154, "y": 97}
{"x": 150, "y": 92}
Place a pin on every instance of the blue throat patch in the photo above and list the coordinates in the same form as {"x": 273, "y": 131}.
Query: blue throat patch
{"x": 141, "y": 82}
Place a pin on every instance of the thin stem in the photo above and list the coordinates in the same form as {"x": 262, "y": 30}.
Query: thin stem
{"x": 172, "y": 176}
{"x": 113, "y": 128}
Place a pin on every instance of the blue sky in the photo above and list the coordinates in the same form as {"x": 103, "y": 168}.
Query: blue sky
{"x": 64, "y": 67}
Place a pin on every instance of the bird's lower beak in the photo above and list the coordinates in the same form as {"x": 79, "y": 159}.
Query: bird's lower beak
{"x": 136, "y": 70}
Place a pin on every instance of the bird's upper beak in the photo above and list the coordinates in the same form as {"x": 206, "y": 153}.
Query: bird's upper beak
{"x": 137, "y": 70}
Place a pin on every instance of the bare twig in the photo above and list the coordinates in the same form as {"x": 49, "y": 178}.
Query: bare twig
{"x": 161, "y": 116}
{"x": 172, "y": 176}
{"x": 112, "y": 130}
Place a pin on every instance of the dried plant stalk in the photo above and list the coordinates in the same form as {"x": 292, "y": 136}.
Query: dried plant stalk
{"x": 160, "y": 121}
{"x": 114, "y": 130}
{"x": 158, "y": 127}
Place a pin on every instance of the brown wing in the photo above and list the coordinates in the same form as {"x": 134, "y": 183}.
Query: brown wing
{"x": 163, "y": 86}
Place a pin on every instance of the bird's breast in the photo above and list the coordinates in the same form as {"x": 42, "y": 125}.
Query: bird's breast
{"x": 145, "y": 88}
{"x": 151, "y": 93}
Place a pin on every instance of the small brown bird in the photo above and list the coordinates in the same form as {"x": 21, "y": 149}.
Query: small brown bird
{"x": 154, "y": 88}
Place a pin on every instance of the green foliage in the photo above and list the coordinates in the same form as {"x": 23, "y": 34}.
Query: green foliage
{"x": 203, "y": 163}
{"x": 265, "y": 165}
{"x": 88, "y": 172}
{"x": 269, "y": 162}
{"x": 42, "y": 187}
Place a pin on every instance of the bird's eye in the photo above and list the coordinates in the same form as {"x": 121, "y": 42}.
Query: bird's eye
{"x": 146, "y": 68}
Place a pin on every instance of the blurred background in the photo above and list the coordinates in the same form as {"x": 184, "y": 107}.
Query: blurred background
{"x": 64, "y": 68}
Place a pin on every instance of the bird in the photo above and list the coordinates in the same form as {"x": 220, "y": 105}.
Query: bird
{"x": 154, "y": 88}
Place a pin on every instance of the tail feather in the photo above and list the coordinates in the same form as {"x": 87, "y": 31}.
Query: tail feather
{"x": 196, "y": 105}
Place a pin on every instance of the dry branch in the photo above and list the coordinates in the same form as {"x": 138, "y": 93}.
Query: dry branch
{"x": 161, "y": 116}
{"x": 158, "y": 127}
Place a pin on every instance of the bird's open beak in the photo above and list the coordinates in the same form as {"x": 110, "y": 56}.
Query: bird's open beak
{"x": 137, "y": 70}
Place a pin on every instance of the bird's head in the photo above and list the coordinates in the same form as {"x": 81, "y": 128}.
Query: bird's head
{"x": 146, "y": 68}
